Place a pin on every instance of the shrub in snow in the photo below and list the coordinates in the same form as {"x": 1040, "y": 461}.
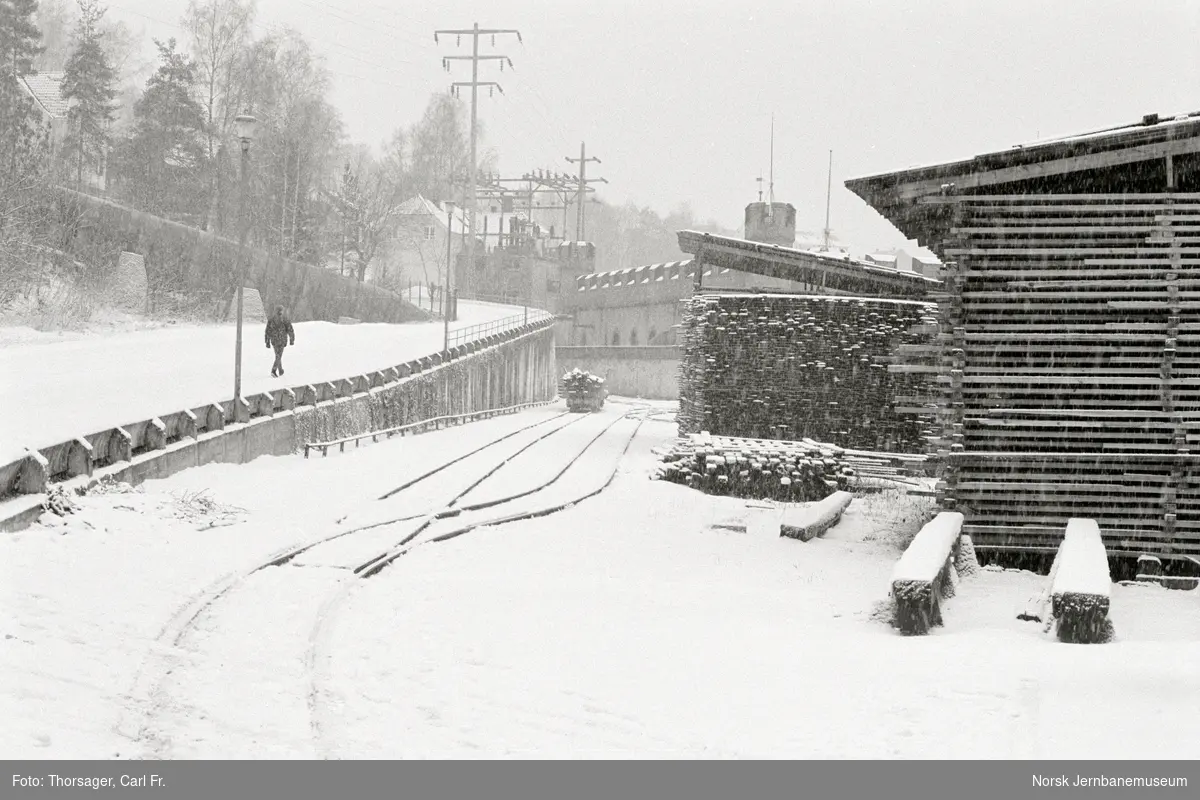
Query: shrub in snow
{"x": 921, "y": 578}
{"x": 789, "y": 472}
{"x": 894, "y": 516}
{"x": 1081, "y": 584}
{"x": 58, "y": 502}
{"x": 967, "y": 563}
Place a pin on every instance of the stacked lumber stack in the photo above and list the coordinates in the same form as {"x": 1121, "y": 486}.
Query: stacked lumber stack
{"x": 1070, "y": 339}
{"x": 789, "y": 367}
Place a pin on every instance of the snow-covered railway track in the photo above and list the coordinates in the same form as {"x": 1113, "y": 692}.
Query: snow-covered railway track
{"x": 453, "y": 498}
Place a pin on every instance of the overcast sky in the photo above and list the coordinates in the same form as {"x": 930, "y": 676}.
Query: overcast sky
{"x": 676, "y": 96}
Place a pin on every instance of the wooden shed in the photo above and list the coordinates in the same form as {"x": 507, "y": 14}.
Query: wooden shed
{"x": 1068, "y": 353}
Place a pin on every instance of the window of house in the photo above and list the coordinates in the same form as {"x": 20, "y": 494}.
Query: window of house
{"x": 616, "y": 339}
{"x": 633, "y": 337}
{"x": 653, "y": 335}
{"x": 429, "y": 233}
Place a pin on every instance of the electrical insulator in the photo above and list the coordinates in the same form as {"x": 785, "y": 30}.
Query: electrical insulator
{"x": 502, "y": 66}
{"x": 491, "y": 91}
{"x": 493, "y": 40}
{"x": 458, "y": 41}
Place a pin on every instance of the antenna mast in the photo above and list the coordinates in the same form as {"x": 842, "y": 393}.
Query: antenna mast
{"x": 771, "y": 186}
{"x": 828, "y": 192}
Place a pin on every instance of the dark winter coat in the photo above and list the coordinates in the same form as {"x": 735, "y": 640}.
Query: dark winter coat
{"x": 280, "y": 332}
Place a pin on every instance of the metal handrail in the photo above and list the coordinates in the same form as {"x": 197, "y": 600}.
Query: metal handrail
{"x": 484, "y": 329}
{"x": 423, "y": 425}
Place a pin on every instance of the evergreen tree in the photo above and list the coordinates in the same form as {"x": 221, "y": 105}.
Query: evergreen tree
{"x": 22, "y": 136}
{"x": 90, "y": 85}
{"x": 162, "y": 164}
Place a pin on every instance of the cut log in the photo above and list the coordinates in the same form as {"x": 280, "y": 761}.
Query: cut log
{"x": 1081, "y": 584}
{"x": 920, "y": 577}
{"x": 812, "y": 521}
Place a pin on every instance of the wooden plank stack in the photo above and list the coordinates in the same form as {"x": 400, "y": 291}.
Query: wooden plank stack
{"x": 1070, "y": 348}
{"x": 788, "y": 367}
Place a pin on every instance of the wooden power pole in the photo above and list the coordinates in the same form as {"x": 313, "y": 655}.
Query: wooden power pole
{"x": 583, "y": 181}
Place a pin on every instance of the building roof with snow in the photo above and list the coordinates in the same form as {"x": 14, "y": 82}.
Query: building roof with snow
{"x": 1154, "y": 155}
{"x": 424, "y": 207}
{"x": 836, "y": 271}
{"x": 46, "y": 89}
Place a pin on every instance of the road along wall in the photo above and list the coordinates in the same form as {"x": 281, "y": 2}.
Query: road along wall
{"x": 495, "y": 372}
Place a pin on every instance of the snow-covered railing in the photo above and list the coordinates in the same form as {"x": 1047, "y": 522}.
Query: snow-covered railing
{"x": 482, "y": 330}
{"x": 35, "y": 470}
{"x": 926, "y": 574}
{"x": 808, "y": 523}
{"x": 433, "y": 423}
{"x": 1081, "y": 584}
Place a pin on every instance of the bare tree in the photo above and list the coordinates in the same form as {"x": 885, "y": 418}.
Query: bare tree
{"x": 219, "y": 33}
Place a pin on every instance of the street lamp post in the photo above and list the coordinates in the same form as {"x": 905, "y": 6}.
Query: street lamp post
{"x": 446, "y": 290}
{"x": 246, "y": 126}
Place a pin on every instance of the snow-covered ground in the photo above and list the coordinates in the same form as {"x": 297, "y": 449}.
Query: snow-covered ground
{"x": 634, "y": 624}
{"x": 55, "y": 387}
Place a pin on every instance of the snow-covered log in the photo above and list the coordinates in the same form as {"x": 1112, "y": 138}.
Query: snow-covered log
{"x": 808, "y": 523}
{"x": 1080, "y": 584}
{"x": 920, "y": 579}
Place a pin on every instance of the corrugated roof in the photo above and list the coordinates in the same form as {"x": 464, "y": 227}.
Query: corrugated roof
{"x": 46, "y": 88}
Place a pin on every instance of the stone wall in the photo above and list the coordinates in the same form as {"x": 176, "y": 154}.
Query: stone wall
{"x": 648, "y": 372}
{"x": 791, "y": 367}
{"x": 179, "y": 258}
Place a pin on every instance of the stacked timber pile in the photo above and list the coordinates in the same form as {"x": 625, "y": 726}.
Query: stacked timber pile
{"x": 788, "y": 471}
{"x": 1071, "y": 337}
{"x": 794, "y": 472}
{"x": 788, "y": 367}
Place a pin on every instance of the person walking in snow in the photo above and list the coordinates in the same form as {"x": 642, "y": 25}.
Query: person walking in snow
{"x": 280, "y": 334}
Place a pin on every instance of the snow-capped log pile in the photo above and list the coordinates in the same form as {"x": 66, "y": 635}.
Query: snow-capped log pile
{"x": 927, "y": 573}
{"x": 789, "y": 367}
{"x": 1081, "y": 584}
{"x": 583, "y": 390}
{"x": 792, "y": 472}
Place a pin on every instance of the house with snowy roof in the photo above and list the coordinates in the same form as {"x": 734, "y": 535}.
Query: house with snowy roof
{"x": 418, "y": 250}
{"x": 46, "y": 90}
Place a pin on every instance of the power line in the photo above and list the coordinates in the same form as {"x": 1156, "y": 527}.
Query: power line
{"x": 582, "y": 161}
{"x": 475, "y": 32}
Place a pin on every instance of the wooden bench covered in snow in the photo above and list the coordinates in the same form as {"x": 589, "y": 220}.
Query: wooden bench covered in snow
{"x": 1080, "y": 584}
{"x": 922, "y": 576}
{"x": 810, "y": 522}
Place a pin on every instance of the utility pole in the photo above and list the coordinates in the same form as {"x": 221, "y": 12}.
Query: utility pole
{"x": 828, "y": 194}
{"x": 583, "y": 180}
{"x": 475, "y": 32}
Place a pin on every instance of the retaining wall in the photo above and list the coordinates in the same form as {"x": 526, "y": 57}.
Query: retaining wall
{"x": 203, "y": 262}
{"x": 496, "y": 372}
{"x": 649, "y": 372}
{"x": 790, "y": 367}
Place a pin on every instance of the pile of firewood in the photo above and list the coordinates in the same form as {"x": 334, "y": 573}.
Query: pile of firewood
{"x": 583, "y": 390}
{"x": 791, "y": 472}
{"x": 774, "y": 366}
